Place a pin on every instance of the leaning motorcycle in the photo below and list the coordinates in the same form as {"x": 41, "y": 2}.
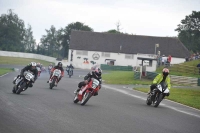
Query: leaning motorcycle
{"x": 87, "y": 91}
{"x": 157, "y": 94}
{"x": 70, "y": 72}
{"x": 54, "y": 78}
{"x": 23, "y": 82}
{"x": 39, "y": 71}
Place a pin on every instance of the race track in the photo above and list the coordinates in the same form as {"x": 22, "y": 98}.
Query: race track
{"x": 117, "y": 109}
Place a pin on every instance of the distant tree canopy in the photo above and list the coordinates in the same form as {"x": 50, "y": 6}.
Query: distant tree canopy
{"x": 13, "y": 34}
{"x": 57, "y": 41}
{"x": 189, "y": 31}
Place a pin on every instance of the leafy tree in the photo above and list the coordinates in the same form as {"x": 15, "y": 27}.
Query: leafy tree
{"x": 113, "y": 31}
{"x": 67, "y": 33}
{"x": 29, "y": 41}
{"x": 12, "y": 32}
{"x": 189, "y": 31}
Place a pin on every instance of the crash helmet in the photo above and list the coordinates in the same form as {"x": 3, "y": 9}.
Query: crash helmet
{"x": 98, "y": 71}
{"x": 33, "y": 65}
{"x": 165, "y": 71}
{"x": 59, "y": 64}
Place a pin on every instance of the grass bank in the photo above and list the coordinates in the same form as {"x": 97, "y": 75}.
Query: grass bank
{"x": 122, "y": 77}
{"x": 20, "y": 61}
{"x": 5, "y": 70}
{"x": 186, "y": 96}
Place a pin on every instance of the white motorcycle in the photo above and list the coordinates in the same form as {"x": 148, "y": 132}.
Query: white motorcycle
{"x": 157, "y": 94}
{"x": 54, "y": 78}
{"x": 22, "y": 83}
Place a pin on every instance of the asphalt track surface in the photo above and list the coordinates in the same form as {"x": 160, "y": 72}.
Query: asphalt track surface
{"x": 117, "y": 109}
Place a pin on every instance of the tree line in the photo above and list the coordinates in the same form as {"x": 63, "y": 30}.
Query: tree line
{"x": 15, "y": 36}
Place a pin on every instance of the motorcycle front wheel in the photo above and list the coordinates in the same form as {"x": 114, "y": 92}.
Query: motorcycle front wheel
{"x": 52, "y": 84}
{"x": 148, "y": 101}
{"x": 158, "y": 100}
{"x": 86, "y": 97}
{"x": 20, "y": 88}
{"x": 76, "y": 98}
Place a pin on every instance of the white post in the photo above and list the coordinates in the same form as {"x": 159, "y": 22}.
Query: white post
{"x": 156, "y": 45}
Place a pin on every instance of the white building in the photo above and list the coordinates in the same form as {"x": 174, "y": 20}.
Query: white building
{"x": 87, "y": 48}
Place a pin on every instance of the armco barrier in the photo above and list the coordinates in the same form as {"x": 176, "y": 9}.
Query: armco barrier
{"x": 116, "y": 68}
{"x": 137, "y": 75}
{"x": 151, "y": 75}
{"x": 179, "y": 80}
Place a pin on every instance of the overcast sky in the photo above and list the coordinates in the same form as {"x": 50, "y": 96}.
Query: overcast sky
{"x": 140, "y": 17}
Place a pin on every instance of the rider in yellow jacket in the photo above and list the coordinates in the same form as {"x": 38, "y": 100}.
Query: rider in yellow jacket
{"x": 161, "y": 77}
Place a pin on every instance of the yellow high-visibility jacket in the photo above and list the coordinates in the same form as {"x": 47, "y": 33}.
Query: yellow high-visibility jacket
{"x": 159, "y": 78}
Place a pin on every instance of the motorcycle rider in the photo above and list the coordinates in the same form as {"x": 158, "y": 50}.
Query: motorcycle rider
{"x": 59, "y": 66}
{"x": 30, "y": 67}
{"x": 68, "y": 67}
{"x": 96, "y": 73}
{"x": 50, "y": 67}
{"x": 164, "y": 77}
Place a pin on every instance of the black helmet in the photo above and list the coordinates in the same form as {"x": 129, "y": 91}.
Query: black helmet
{"x": 98, "y": 71}
{"x": 165, "y": 71}
{"x": 59, "y": 64}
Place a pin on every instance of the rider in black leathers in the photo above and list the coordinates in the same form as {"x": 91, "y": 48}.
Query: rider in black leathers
{"x": 67, "y": 69}
{"x": 96, "y": 73}
{"x": 30, "y": 67}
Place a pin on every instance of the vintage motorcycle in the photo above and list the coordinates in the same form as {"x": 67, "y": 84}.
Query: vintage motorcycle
{"x": 23, "y": 82}
{"x": 70, "y": 72}
{"x": 54, "y": 78}
{"x": 39, "y": 71}
{"x": 87, "y": 91}
{"x": 157, "y": 94}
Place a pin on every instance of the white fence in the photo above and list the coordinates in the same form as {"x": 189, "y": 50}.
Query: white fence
{"x": 27, "y": 55}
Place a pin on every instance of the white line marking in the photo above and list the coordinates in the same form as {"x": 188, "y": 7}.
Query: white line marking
{"x": 125, "y": 92}
{"x": 3, "y": 75}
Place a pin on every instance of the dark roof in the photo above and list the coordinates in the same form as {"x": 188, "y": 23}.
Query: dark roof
{"x": 141, "y": 58}
{"x": 130, "y": 44}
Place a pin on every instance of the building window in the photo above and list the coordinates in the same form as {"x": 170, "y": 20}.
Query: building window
{"x": 105, "y": 54}
{"x": 79, "y": 52}
{"x": 129, "y": 56}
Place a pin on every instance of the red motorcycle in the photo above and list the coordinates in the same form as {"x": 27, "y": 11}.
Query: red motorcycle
{"x": 87, "y": 91}
{"x": 39, "y": 71}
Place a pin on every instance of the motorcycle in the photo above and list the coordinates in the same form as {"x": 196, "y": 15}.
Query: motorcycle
{"x": 157, "y": 94}
{"x": 70, "y": 72}
{"x": 49, "y": 69}
{"x": 54, "y": 79}
{"x": 87, "y": 91}
{"x": 39, "y": 71}
{"x": 23, "y": 82}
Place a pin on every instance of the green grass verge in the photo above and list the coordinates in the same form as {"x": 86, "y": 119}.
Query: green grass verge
{"x": 122, "y": 77}
{"x": 5, "y": 70}
{"x": 21, "y": 61}
{"x": 186, "y": 96}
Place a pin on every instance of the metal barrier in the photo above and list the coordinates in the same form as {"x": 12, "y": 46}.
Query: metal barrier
{"x": 116, "y": 68}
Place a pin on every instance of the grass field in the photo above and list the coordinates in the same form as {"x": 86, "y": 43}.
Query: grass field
{"x": 186, "y": 96}
{"x": 20, "y": 61}
{"x": 5, "y": 70}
